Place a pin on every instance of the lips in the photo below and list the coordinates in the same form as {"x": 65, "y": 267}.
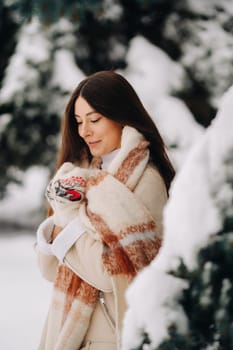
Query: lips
{"x": 93, "y": 143}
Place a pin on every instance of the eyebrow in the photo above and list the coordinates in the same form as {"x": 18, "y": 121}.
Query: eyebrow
{"x": 86, "y": 115}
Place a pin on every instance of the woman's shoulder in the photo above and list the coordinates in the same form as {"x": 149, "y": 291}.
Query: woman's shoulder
{"x": 151, "y": 178}
{"x": 151, "y": 190}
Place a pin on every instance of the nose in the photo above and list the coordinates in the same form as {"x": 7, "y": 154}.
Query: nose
{"x": 84, "y": 130}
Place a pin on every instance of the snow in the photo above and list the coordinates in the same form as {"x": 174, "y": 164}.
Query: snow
{"x": 178, "y": 128}
{"x": 192, "y": 215}
{"x": 33, "y": 48}
{"x": 24, "y": 293}
{"x": 118, "y": 50}
{"x": 203, "y": 7}
{"x": 155, "y": 83}
{"x": 66, "y": 74}
{"x": 156, "y": 75}
{"x": 5, "y": 119}
{"x": 206, "y": 43}
{"x": 216, "y": 44}
{"x": 24, "y": 204}
{"x": 192, "y": 206}
{"x": 111, "y": 10}
{"x": 150, "y": 291}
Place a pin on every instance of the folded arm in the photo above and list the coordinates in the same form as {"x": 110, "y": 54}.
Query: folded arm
{"x": 75, "y": 247}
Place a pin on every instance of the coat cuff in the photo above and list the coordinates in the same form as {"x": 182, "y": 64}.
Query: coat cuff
{"x": 44, "y": 233}
{"x": 66, "y": 238}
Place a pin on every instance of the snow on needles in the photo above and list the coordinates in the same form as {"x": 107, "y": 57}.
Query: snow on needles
{"x": 191, "y": 216}
{"x": 23, "y": 205}
{"x": 66, "y": 74}
{"x": 155, "y": 79}
{"x": 156, "y": 75}
{"x": 33, "y": 47}
{"x": 151, "y": 308}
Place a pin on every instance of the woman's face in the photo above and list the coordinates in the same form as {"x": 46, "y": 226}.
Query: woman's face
{"x": 102, "y": 135}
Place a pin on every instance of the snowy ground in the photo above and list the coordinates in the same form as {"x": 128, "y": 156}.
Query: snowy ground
{"x": 24, "y": 293}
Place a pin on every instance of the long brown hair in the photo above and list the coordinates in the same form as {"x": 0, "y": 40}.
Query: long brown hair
{"x": 110, "y": 94}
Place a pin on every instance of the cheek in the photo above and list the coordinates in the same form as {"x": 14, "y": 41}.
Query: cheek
{"x": 115, "y": 137}
{"x": 111, "y": 131}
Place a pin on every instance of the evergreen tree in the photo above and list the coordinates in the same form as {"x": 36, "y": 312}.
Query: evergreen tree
{"x": 32, "y": 99}
{"x": 103, "y": 28}
{"x": 207, "y": 299}
{"x": 99, "y": 39}
{"x": 199, "y": 35}
{"x": 8, "y": 24}
{"x": 208, "y": 302}
{"x": 178, "y": 29}
{"x": 186, "y": 30}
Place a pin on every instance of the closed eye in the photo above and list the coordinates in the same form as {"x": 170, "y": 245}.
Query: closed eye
{"x": 95, "y": 120}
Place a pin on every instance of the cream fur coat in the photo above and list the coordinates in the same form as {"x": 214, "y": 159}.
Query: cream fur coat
{"x": 136, "y": 195}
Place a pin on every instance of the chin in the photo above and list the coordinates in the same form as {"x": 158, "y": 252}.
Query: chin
{"x": 96, "y": 154}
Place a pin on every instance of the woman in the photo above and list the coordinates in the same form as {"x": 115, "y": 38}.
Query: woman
{"x": 107, "y": 199}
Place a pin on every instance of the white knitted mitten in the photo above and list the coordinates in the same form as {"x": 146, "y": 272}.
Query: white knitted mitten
{"x": 65, "y": 192}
